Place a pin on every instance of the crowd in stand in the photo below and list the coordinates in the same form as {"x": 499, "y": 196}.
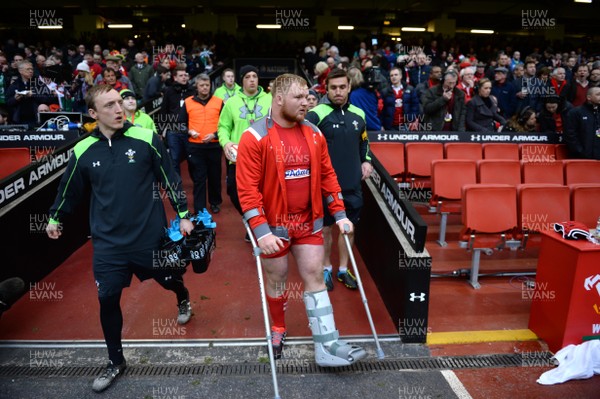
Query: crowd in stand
{"x": 430, "y": 88}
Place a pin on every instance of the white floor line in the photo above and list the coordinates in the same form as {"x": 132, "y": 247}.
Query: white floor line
{"x": 457, "y": 386}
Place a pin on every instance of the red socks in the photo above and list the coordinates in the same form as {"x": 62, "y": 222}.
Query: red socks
{"x": 277, "y": 307}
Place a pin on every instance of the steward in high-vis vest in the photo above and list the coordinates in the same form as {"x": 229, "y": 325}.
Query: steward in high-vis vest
{"x": 201, "y": 115}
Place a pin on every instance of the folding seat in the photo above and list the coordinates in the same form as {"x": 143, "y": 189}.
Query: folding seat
{"x": 499, "y": 171}
{"x": 542, "y": 172}
{"x": 537, "y": 152}
{"x": 418, "y": 157}
{"x": 581, "y": 171}
{"x": 448, "y": 176}
{"x": 463, "y": 151}
{"x": 562, "y": 152}
{"x": 585, "y": 203}
{"x": 539, "y": 206}
{"x": 500, "y": 151}
{"x": 13, "y": 159}
{"x": 391, "y": 156}
{"x": 489, "y": 216}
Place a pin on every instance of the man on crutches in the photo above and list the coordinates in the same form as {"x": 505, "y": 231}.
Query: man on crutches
{"x": 283, "y": 170}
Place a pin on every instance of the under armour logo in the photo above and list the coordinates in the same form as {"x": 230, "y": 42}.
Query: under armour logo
{"x": 592, "y": 281}
{"x": 244, "y": 112}
{"x": 421, "y": 297}
{"x": 382, "y": 136}
{"x": 94, "y": 164}
{"x": 335, "y": 126}
{"x": 355, "y": 123}
{"x": 475, "y": 137}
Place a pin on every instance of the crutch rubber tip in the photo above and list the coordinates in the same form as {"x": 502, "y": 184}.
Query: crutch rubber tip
{"x": 380, "y": 354}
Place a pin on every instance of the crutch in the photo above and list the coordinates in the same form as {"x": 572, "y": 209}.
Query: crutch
{"x": 263, "y": 300}
{"x": 380, "y": 354}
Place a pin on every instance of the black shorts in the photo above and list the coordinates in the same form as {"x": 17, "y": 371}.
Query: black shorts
{"x": 352, "y": 203}
{"x": 114, "y": 272}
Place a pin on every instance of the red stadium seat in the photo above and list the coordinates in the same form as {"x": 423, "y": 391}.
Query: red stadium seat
{"x": 562, "y": 152}
{"x": 585, "y": 203}
{"x": 537, "y": 152}
{"x": 463, "y": 151}
{"x": 418, "y": 158}
{"x": 542, "y": 172}
{"x": 448, "y": 176}
{"x": 581, "y": 171}
{"x": 391, "y": 156}
{"x": 13, "y": 159}
{"x": 499, "y": 171}
{"x": 540, "y": 206}
{"x": 489, "y": 216}
{"x": 500, "y": 151}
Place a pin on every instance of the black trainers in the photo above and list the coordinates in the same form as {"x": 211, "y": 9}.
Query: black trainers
{"x": 278, "y": 335}
{"x": 108, "y": 376}
{"x": 328, "y": 279}
{"x": 347, "y": 279}
{"x": 185, "y": 312}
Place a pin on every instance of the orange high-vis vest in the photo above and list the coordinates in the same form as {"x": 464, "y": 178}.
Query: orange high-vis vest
{"x": 203, "y": 118}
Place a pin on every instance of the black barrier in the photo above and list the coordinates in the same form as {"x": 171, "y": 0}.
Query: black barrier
{"x": 27, "y": 195}
{"x": 402, "y": 276}
{"x": 411, "y": 223}
{"x": 43, "y": 140}
{"x": 395, "y": 136}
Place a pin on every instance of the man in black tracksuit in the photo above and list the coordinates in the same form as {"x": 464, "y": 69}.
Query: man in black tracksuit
{"x": 344, "y": 127}
{"x": 124, "y": 167}
{"x": 173, "y": 102}
{"x": 582, "y": 127}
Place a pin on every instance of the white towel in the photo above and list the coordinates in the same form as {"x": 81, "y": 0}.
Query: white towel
{"x": 575, "y": 362}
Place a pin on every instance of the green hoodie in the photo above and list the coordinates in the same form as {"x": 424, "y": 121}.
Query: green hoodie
{"x": 225, "y": 94}
{"x": 239, "y": 113}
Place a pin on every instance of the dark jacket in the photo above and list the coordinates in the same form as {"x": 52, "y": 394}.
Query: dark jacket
{"x": 126, "y": 210}
{"x": 546, "y": 119}
{"x": 368, "y": 101}
{"x": 410, "y": 105}
{"x": 344, "y": 129}
{"x": 24, "y": 111}
{"x": 481, "y": 116}
{"x": 434, "y": 108}
{"x": 154, "y": 88}
{"x": 139, "y": 78}
{"x": 173, "y": 101}
{"x": 507, "y": 98}
{"x": 580, "y": 131}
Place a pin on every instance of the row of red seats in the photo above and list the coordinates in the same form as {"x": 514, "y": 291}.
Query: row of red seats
{"x": 13, "y": 159}
{"x": 499, "y": 215}
{"x": 450, "y": 176}
{"x": 412, "y": 161}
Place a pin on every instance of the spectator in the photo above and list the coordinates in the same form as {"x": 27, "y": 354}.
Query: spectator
{"x": 20, "y": 99}
{"x": 139, "y": 75}
{"x": 435, "y": 77}
{"x": 595, "y": 77}
{"x": 553, "y": 116}
{"x": 79, "y": 87}
{"x": 482, "y": 110}
{"x": 582, "y": 127}
{"x": 515, "y": 60}
{"x": 576, "y": 91}
{"x": 365, "y": 97}
{"x": 444, "y": 105}
{"x": 95, "y": 68}
{"x": 109, "y": 77}
{"x": 157, "y": 83}
{"x": 523, "y": 122}
{"x": 419, "y": 73}
{"x": 312, "y": 99}
{"x": 467, "y": 82}
{"x": 321, "y": 72}
{"x": 170, "y": 110}
{"x": 504, "y": 92}
{"x": 401, "y": 103}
